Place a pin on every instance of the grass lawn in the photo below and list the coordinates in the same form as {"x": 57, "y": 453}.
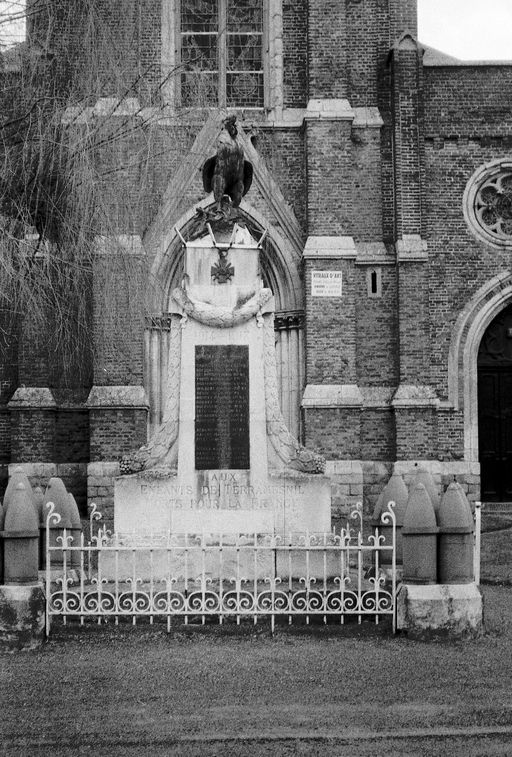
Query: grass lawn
{"x": 201, "y": 689}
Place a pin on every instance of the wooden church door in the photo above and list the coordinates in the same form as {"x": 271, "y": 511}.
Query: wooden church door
{"x": 495, "y": 409}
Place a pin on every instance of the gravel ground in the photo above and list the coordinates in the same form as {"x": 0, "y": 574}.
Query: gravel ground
{"x": 206, "y": 691}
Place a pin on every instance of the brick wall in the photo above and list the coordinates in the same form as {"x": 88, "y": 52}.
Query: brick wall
{"x": 284, "y": 154}
{"x": 365, "y": 183}
{"x": 100, "y": 487}
{"x": 403, "y": 16}
{"x": 377, "y": 353}
{"x": 330, "y": 198}
{"x": 416, "y": 433}
{"x": 415, "y": 315}
{"x": 295, "y": 52}
{"x": 378, "y": 434}
{"x": 330, "y": 333}
{"x": 8, "y": 384}
{"x": 470, "y": 101}
{"x": 32, "y": 435}
{"x": 408, "y": 143}
{"x": 366, "y": 23}
{"x": 333, "y": 432}
{"x": 119, "y": 287}
{"x": 71, "y": 436}
{"x": 116, "y": 432}
{"x": 327, "y": 54}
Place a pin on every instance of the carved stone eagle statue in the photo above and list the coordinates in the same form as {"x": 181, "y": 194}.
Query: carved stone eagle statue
{"x": 227, "y": 173}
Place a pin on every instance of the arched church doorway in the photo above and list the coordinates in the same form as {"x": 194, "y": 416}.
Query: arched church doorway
{"x": 495, "y": 409}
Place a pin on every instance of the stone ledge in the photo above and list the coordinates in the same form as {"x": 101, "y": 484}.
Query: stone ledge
{"x": 334, "y": 248}
{"x": 411, "y": 249}
{"x": 350, "y": 468}
{"x": 35, "y": 470}
{"x": 367, "y": 118}
{"x": 103, "y": 470}
{"x": 35, "y": 397}
{"x": 117, "y": 397}
{"x": 288, "y": 118}
{"x": 377, "y": 396}
{"x": 331, "y": 395}
{"x": 374, "y": 253}
{"x": 437, "y": 468}
{"x": 329, "y": 109}
{"x": 449, "y": 609}
{"x": 415, "y": 395}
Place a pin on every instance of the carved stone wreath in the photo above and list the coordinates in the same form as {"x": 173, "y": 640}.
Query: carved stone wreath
{"x": 488, "y": 203}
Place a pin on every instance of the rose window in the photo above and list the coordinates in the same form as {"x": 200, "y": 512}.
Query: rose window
{"x": 488, "y": 203}
{"x": 493, "y": 205}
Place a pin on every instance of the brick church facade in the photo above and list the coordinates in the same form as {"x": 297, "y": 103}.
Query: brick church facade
{"x": 375, "y": 159}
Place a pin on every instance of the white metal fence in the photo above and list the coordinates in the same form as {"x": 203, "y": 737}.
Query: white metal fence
{"x": 194, "y": 577}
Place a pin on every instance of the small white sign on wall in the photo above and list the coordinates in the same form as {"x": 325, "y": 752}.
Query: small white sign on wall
{"x": 326, "y": 283}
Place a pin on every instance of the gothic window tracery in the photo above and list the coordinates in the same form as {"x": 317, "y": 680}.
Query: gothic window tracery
{"x": 488, "y": 203}
{"x": 493, "y": 205}
{"x": 221, "y": 53}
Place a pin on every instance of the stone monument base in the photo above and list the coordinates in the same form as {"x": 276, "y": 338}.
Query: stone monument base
{"x": 217, "y": 507}
{"x": 222, "y": 502}
{"x": 451, "y": 609}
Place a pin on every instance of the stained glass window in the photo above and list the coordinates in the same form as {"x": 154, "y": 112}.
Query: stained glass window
{"x": 222, "y": 53}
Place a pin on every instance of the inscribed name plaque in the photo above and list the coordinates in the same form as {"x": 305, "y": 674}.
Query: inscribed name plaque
{"x": 326, "y": 283}
{"x": 222, "y": 407}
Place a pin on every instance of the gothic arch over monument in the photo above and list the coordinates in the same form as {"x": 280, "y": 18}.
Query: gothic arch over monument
{"x": 467, "y": 335}
{"x": 280, "y": 264}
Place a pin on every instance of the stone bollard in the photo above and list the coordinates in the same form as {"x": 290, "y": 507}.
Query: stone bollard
{"x": 420, "y": 538}
{"x": 76, "y": 531}
{"x": 22, "y": 600}
{"x": 455, "y": 546}
{"x": 18, "y": 476}
{"x": 394, "y": 491}
{"x": 56, "y": 493}
{"x": 423, "y": 476}
{"x": 21, "y": 535}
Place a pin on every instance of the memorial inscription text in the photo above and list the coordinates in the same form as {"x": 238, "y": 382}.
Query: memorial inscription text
{"x": 222, "y": 407}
